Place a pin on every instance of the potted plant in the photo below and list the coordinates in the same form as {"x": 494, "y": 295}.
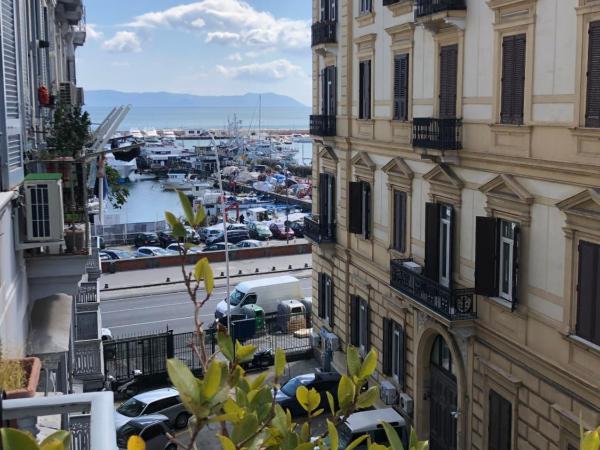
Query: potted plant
{"x": 19, "y": 378}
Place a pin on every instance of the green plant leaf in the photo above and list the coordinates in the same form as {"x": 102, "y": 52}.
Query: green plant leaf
{"x": 314, "y": 399}
{"x": 368, "y": 398}
{"x": 346, "y": 390}
{"x": 356, "y": 442}
{"x": 62, "y": 436}
{"x": 305, "y": 446}
{"x": 200, "y": 216}
{"x": 259, "y": 380}
{"x": 244, "y": 353}
{"x": 171, "y": 219}
{"x": 178, "y": 231}
{"x": 333, "y": 435}
{"x": 279, "y": 362}
{"x": 225, "y": 345}
{"x": 302, "y": 397}
{"x": 331, "y": 402}
{"x": 317, "y": 413}
{"x": 368, "y": 366}
{"x": 203, "y": 271}
{"x": 212, "y": 380}
{"x": 226, "y": 443}
{"x": 187, "y": 385}
{"x": 352, "y": 360}
{"x": 392, "y": 436}
{"x": 590, "y": 441}
{"x": 17, "y": 440}
{"x": 243, "y": 430}
{"x": 379, "y": 447}
{"x": 305, "y": 432}
{"x": 187, "y": 207}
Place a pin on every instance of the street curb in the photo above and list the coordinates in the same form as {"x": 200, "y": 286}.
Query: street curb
{"x": 171, "y": 283}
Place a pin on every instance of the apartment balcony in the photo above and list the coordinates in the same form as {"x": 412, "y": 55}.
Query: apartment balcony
{"x": 89, "y": 418}
{"x": 431, "y": 7}
{"x": 79, "y": 35}
{"x": 435, "y": 14}
{"x": 322, "y": 125}
{"x": 319, "y": 233}
{"x": 450, "y": 304}
{"x": 434, "y": 138}
{"x": 324, "y": 32}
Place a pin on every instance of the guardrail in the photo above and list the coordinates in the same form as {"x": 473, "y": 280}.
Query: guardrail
{"x": 320, "y": 233}
{"x": 440, "y": 134}
{"x": 322, "y": 125}
{"x": 324, "y": 32}
{"x": 427, "y": 7}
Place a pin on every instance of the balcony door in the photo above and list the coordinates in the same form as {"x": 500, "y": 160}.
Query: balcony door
{"x": 328, "y": 10}
{"x": 326, "y": 201}
{"x": 443, "y": 398}
{"x": 329, "y": 104}
{"x": 439, "y": 225}
{"x": 448, "y": 81}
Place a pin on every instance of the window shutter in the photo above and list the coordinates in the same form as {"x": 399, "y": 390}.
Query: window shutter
{"x": 321, "y": 296}
{"x": 323, "y": 198}
{"x": 592, "y": 114}
{"x": 432, "y": 241}
{"x": 354, "y": 314}
{"x": 588, "y": 310}
{"x": 387, "y": 346}
{"x": 355, "y": 207}
{"x": 519, "y": 79}
{"x": 401, "y": 87}
{"x": 324, "y": 91}
{"x": 402, "y": 358}
{"x": 448, "y": 80}
{"x": 368, "y": 87}
{"x": 451, "y": 247}
{"x": 515, "y": 274}
{"x": 400, "y": 221}
{"x": 329, "y": 293}
{"x": 361, "y": 90}
{"x": 500, "y": 422}
{"x": 333, "y": 91}
{"x": 486, "y": 256}
{"x": 513, "y": 79}
{"x": 366, "y": 187}
{"x": 324, "y": 9}
{"x": 11, "y": 139}
{"x": 333, "y": 10}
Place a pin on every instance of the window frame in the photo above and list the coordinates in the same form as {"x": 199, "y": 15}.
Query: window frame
{"x": 398, "y": 353}
{"x": 365, "y": 105}
{"x": 326, "y": 298}
{"x": 365, "y": 7}
{"x": 589, "y": 335}
{"x": 491, "y": 417}
{"x": 400, "y": 220}
{"x": 592, "y": 23}
{"x": 512, "y": 117}
{"x": 397, "y": 113}
{"x": 445, "y": 251}
{"x": 510, "y": 241}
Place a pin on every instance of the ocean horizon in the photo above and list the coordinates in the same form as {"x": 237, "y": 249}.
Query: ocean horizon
{"x": 296, "y": 118}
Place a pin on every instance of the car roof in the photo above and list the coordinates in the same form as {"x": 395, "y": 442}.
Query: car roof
{"x": 150, "y": 248}
{"x": 369, "y": 420}
{"x": 253, "y": 284}
{"x": 156, "y": 394}
{"x": 144, "y": 421}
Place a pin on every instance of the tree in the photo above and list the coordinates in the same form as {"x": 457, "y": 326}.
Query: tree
{"x": 117, "y": 193}
{"x": 69, "y": 132}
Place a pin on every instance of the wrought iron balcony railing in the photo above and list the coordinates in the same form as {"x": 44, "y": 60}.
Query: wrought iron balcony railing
{"x": 440, "y": 134}
{"x": 452, "y": 304}
{"x": 320, "y": 233}
{"x": 428, "y": 7}
{"x": 390, "y": 2}
{"x": 324, "y": 32}
{"x": 321, "y": 125}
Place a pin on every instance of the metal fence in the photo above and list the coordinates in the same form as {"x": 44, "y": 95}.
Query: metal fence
{"x": 124, "y": 233}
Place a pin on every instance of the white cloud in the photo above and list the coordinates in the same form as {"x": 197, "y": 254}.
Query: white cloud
{"x": 274, "y": 70}
{"x": 123, "y": 42}
{"x": 92, "y": 32}
{"x": 220, "y": 20}
{"x": 235, "y": 57}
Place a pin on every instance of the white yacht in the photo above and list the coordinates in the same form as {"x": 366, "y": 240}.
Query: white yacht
{"x": 136, "y": 133}
{"x": 151, "y": 136}
{"x": 125, "y": 168}
{"x": 168, "y": 137}
{"x": 178, "y": 180}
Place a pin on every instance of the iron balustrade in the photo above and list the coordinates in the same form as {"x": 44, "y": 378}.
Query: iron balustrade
{"x": 453, "y": 304}
{"x": 87, "y": 292}
{"x": 320, "y": 233}
{"x": 390, "y": 2}
{"x": 428, "y": 7}
{"x": 440, "y": 134}
{"x": 322, "y": 125}
{"x": 324, "y": 32}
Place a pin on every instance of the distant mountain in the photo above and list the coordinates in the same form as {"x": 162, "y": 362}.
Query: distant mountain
{"x": 157, "y": 99}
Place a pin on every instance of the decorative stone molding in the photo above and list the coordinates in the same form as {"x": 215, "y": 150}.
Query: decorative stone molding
{"x": 364, "y": 167}
{"x": 445, "y": 186}
{"x": 365, "y": 44}
{"x": 583, "y": 211}
{"x": 509, "y": 12}
{"x": 328, "y": 159}
{"x": 365, "y": 19}
{"x": 399, "y": 174}
{"x": 507, "y": 199}
{"x": 400, "y": 8}
{"x": 402, "y": 35}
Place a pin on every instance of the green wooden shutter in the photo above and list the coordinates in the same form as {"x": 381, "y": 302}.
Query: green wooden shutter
{"x": 448, "y": 81}
{"x": 354, "y": 314}
{"x": 321, "y": 295}
{"x": 329, "y": 293}
{"x": 500, "y": 422}
{"x": 592, "y": 113}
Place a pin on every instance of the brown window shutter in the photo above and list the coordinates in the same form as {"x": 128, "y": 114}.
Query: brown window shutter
{"x": 333, "y": 91}
{"x": 387, "y": 346}
{"x": 331, "y": 312}
{"x": 432, "y": 241}
{"x": 400, "y": 206}
{"x": 500, "y": 422}
{"x": 588, "y": 307}
{"x": 366, "y": 219}
{"x": 355, "y": 215}
{"x": 368, "y": 89}
{"x": 448, "y": 80}
{"x": 516, "y": 250}
{"x": 321, "y": 295}
{"x": 323, "y": 197}
{"x": 486, "y": 256}
{"x": 354, "y": 314}
{"x": 592, "y": 113}
{"x": 513, "y": 79}
{"x": 401, "y": 87}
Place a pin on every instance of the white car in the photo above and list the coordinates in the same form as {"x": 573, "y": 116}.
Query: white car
{"x": 176, "y": 246}
{"x": 249, "y": 243}
{"x": 144, "y": 252}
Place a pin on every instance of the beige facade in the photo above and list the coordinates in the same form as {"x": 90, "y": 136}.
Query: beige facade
{"x": 542, "y": 176}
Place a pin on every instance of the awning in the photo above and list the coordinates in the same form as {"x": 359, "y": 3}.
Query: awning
{"x": 51, "y": 325}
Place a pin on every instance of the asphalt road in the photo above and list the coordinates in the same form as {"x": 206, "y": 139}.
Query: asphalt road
{"x": 143, "y": 311}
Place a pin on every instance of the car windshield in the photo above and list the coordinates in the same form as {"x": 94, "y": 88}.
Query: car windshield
{"x": 131, "y": 408}
{"x": 291, "y": 386}
{"x": 126, "y": 431}
{"x": 236, "y": 297}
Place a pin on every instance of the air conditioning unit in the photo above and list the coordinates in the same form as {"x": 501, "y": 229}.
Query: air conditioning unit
{"x": 44, "y": 207}
{"x": 388, "y": 393}
{"x": 331, "y": 342}
{"x": 406, "y": 404}
{"x": 68, "y": 93}
{"x": 315, "y": 339}
{"x": 413, "y": 266}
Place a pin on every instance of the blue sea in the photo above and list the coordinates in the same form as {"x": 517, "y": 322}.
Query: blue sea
{"x": 295, "y": 118}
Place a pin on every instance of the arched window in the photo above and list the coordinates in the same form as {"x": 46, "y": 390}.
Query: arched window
{"x": 440, "y": 355}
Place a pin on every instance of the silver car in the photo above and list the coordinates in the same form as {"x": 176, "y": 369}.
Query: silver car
{"x": 152, "y": 429}
{"x": 160, "y": 401}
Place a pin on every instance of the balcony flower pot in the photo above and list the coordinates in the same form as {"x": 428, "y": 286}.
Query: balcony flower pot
{"x": 32, "y": 367}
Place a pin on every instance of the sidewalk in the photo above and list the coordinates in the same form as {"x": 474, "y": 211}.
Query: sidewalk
{"x": 172, "y": 275}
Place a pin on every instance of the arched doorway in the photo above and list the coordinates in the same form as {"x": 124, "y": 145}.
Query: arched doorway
{"x": 443, "y": 397}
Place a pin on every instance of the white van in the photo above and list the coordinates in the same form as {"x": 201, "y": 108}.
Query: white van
{"x": 265, "y": 292}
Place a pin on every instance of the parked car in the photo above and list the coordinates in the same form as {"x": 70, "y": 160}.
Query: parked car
{"x": 152, "y": 429}
{"x": 237, "y": 226}
{"x": 116, "y": 253}
{"x": 104, "y": 257}
{"x": 145, "y": 239}
{"x": 164, "y": 401}
{"x": 322, "y": 382}
{"x": 208, "y": 232}
{"x": 219, "y": 247}
{"x": 249, "y": 243}
{"x": 280, "y": 231}
{"x": 165, "y": 238}
{"x": 369, "y": 422}
{"x": 143, "y": 252}
{"x": 259, "y": 231}
{"x": 298, "y": 229}
{"x": 192, "y": 235}
{"x": 175, "y": 248}
{"x": 233, "y": 237}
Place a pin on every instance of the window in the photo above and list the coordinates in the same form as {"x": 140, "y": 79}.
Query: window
{"x": 401, "y": 87}
{"x": 328, "y": 76}
{"x": 326, "y": 202}
{"x": 364, "y": 96}
{"x": 592, "y": 113}
{"x": 152, "y": 432}
{"x": 497, "y": 258}
{"x": 588, "y": 292}
{"x": 326, "y": 298}
{"x": 359, "y": 324}
{"x": 328, "y": 10}
{"x": 360, "y": 208}
{"x": 160, "y": 405}
{"x": 399, "y": 241}
{"x": 445, "y": 244}
{"x": 394, "y": 350}
{"x": 500, "y": 422}
{"x": 448, "y": 81}
{"x": 513, "y": 79}
{"x": 439, "y": 225}
{"x": 365, "y": 6}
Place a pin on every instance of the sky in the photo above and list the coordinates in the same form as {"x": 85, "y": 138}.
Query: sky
{"x": 206, "y": 47}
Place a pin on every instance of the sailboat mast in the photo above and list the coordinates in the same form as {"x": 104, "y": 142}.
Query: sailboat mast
{"x": 259, "y": 114}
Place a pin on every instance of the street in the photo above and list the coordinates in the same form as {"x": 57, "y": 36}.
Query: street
{"x": 142, "y": 311}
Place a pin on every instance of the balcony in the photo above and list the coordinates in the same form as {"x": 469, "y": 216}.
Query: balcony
{"x": 322, "y": 125}
{"x": 430, "y": 7}
{"x": 437, "y": 134}
{"x": 324, "y": 32}
{"x": 319, "y": 233}
{"x": 89, "y": 417}
{"x": 450, "y": 304}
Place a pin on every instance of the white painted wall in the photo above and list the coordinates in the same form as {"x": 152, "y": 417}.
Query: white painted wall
{"x": 478, "y": 51}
